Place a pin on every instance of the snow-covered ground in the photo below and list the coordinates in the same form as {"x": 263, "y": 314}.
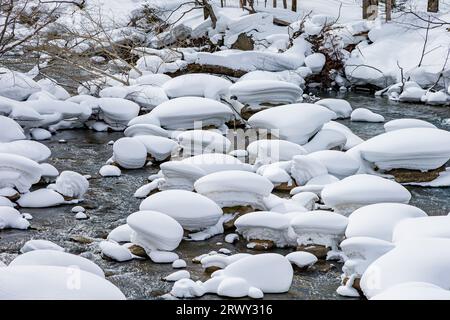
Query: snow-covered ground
{"x": 231, "y": 117}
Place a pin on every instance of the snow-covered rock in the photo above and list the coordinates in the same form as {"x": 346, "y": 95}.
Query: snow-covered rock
{"x": 117, "y": 112}
{"x": 41, "y": 198}
{"x": 380, "y": 220}
{"x": 413, "y": 291}
{"x": 32, "y": 150}
{"x": 413, "y": 148}
{"x": 406, "y": 123}
{"x": 192, "y": 210}
{"x": 194, "y": 142}
{"x": 326, "y": 139}
{"x": 159, "y": 148}
{"x": 341, "y": 107}
{"x": 17, "y": 85}
{"x": 255, "y": 92}
{"x": 423, "y": 227}
{"x": 71, "y": 184}
{"x": 110, "y": 171}
{"x": 274, "y": 150}
{"x": 145, "y": 130}
{"x": 10, "y": 218}
{"x": 115, "y": 251}
{"x": 235, "y": 188}
{"x": 319, "y": 228}
{"x": 253, "y": 271}
{"x": 352, "y": 139}
{"x": 365, "y": 115}
{"x": 305, "y": 168}
{"x": 51, "y": 283}
{"x": 129, "y": 153}
{"x": 200, "y": 85}
{"x": 337, "y": 163}
{"x": 11, "y": 130}
{"x": 47, "y": 257}
{"x": 187, "y": 113}
{"x": 121, "y": 233}
{"x": 315, "y": 62}
{"x": 294, "y": 122}
{"x": 40, "y": 244}
{"x": 264, "y": 225}
{"x": 359, "y": 190}
{"x": 301, "y": 259}
{"x": 154, "y": 230}
{"x": 427, "y": 261}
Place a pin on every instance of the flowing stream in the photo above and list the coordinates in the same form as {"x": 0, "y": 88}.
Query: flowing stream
{"x": 109, "y": 201}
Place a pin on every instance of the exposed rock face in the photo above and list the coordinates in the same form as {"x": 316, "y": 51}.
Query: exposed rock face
{"x": 238, "y": 211}
{"x": 319, "y": 251}
{"x": 244, "y": 42}
{"x": 356, "y": 284}
{"x": 405, "y": 175}
{"x": 286, "y": 187}
{"x": 261, "y": 245}
{"x": 138, "y": 251}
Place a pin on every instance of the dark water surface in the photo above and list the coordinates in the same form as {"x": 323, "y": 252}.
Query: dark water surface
{"x": 109, "y": 201}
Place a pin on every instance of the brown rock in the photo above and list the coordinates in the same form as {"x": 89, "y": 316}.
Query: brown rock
{"x": 211, "y": 269}
{"x": 406, "y": 175}
{"x": 318, "y": 250}
{"x": 286, "y": 187}
{"x": 323, "y": 266}
{"x": 261, "y": 245}
{"x": 356, "y": 284}
{"x": 238, "y": 211}
{"x": 81, "y": 239}
{"x": 137, "y": 251}
{"x": 244, "y": 42}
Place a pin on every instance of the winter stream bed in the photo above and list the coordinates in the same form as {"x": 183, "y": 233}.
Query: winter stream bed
{"x": 109, "y": 201}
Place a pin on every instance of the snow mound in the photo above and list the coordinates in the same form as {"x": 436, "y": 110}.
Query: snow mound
{"x": 153, "y": 230}
{"x": 159, "y": 148}
{"x": 18, "y": 172}
{"x": 71, "y": 184}
{"x": 196, "y": 142}
{"x": 235, "y": 188}
{"x": 32, "y": 150}
{"x": 380, "y": 220}
{"x": 352, "y": 139}
{"x": 40, "y": 244}
{"x": 117, "y": 112}
{"x": 110, "y": 171}
{"x": 121, "y": 233}
{"x": 130, "y": 153}
{"x": 192, "y": 210}
{"x": 319, "y": 227}
{"x": 41, "y": 198}
{"x": 365, "y": 115}
{"x": 413, "y": 291}
{"x": 274, "y": 150}
{"x": 342, "y": 108}
{"x": 253, "y": 271}
{"x": 338, "y": 163}
{"x": 301, "y": 259}
{"x": 187, "y": 113}
{"x": 145, "y": 130}
{"x": 16, "y": 85}
{"x": 115, "y": 251}
{"x": 359, "y": 190}
{"x": 294, "y": 122}
{"x": 305, "y": 168}
{"x": 423, "y": 227}
{"x": 11, "y": 130}
{"x": 398, "y": 124}
{"x": 255, "y": 92}
{"x": 10, "y": 218}
{"x": 428, "y": 261}
{"x": 200, "y": 85}
{"x": 414, "y": 148}
{"x": 266, "y": 225}
{"x": 56, "y": 258}
{"x": 50, "y": 283}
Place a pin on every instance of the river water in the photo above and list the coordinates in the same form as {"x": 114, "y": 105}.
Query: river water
{"x": 109, "y": 201}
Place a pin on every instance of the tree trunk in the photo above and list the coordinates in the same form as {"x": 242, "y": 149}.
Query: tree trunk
{"x": 433, "y": 6}
{"x": 285, "y": 4}
{"x": 274, "y": 3}
{"x": 388, "y": 10}
{"x": 370, "y": 9}
{"x": 208, "y": 12}
{"x": 294, "y": 5}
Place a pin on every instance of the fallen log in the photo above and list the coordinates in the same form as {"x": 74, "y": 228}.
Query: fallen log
{"x": 207, "y": 68}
